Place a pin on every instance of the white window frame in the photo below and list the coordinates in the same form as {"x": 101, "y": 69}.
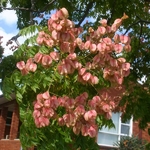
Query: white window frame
{"x": 119, "y": 134}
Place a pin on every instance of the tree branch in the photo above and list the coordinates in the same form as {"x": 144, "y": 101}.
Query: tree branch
{"x": 29, "y": 9}
{"x": 45, "y": 7}
{"x": 89, "y": 6}
{"x": 15, "y": 39}
{"x": 131, "y": 26}
{"x": 141, "y": 29}
{"x": 112, "y": 12}
{"x": 31, "y": 13}
{"x": 139, "y": 21}
{"x": 18, "y": 8}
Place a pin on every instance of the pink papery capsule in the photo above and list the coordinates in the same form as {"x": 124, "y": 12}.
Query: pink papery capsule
{"x": 87, "y": 45}
{"x": 121, "y": 60}
{"x": 90, "y": 115}
{"x": 65, "y": 12}
{"x": 32, "y": 67}
{"x": 126, "y": 66}
{"x": 117, "y": 38}
{"x": 118, "y": 78}
{"x": 46, "y": 60}
{"x": 106, "y": 108}
{"x": 77, "y": 128}
{"x": 54, "y": 17}
{"x": 93, "y": 47}
{"x": 72, "y": 56}
{"x": 82, "y": 71}
{"x": 46, "y": 95}
{"x": 118, "y": 48}
{"x": 80, "y": 110}
{"x": 86, "y": 76}
{"x": 78, "y": 41}
{"x": 101, "y": 30}
{"x": 43, "y": 121}
{"x": 54, "y": 55}
{"x": 38, "y": 57}
{"x": 101, "y": 47}
{"x": 61, "y": 121}
{"x": 107, "y": 41}
{"x": 124, "y": 39}
{"x": 55, "y": 35}
{"x": 84, "y": 130}
{"x": 20, "y": 65}
{"x": 113, "y": 62}
{"x": 127, "y": 48}
{"x": 49, "y": 42}
{"x": 117, "y": 22}
{"x": 103, "y": 22}
{"x": 36, "y": 113}
{"x": 92, "y": 131}
{"x": 94, "y": 79}
{"x": 109, "y": 115}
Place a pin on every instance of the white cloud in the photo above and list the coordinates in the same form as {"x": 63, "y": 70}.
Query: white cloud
{"x": 8, "y": 16}
{"x": 6, "y": 37}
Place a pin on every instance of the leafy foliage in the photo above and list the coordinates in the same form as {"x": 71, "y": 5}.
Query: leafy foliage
{"x": 64, "y": 72}
{"x": 131, "y": 143}
{"x": 137, "y": 101}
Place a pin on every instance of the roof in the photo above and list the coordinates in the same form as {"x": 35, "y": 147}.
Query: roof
{"x": 7, "y": 103}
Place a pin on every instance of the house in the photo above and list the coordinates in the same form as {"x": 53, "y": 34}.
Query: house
{"x": 107, "y": 137}
{"x": 9, "y": 128}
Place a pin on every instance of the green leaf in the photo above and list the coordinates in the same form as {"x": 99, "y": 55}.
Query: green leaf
{"x": 32, "y": 29}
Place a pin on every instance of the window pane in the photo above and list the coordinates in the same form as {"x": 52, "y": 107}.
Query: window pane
{"x": 125, "y": 129}
{"x": 9, "y": 114}
{"x": 115, "y": 118}
{"x": 106, "y": 139}
{"x": 8, "y": 121}
{"x": 127, "y": 122}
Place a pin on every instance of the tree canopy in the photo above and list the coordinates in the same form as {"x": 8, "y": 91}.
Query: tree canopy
{"x": 136, "y": 100}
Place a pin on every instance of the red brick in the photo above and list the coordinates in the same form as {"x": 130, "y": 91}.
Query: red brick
{"x": 143, "y": 134}
{"x": 14, "y": 123}
{"x": 10, "y": 145}
{"x": 3, "y": 117}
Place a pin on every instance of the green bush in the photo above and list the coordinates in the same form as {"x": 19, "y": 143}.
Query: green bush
{"x": 132, "y": 143}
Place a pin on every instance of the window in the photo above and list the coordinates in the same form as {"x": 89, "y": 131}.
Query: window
{"x": 8, "y": 124}
{"x": 107, "y": 137}
{"x": 9, "y": 118}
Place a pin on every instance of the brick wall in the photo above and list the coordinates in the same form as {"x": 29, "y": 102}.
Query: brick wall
{"x": 3, "y": 116}
{"x": 14, "y": 123}
{"x": 143, "y": 134}
{"x": 10, "y": 145}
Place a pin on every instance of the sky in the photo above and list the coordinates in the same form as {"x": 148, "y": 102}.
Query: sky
{"x": 8, "y": 28}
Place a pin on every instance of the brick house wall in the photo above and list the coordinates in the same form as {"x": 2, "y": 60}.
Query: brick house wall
{"x": 12, "y": 143}
{"x": 11, "y": 132}
{"x": 142, "y": 134}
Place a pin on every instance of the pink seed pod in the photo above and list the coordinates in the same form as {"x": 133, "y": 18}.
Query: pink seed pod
{"x": 20, "y": 65}
{"x": 46, "y": 60}
{"x": 38, "y": 57}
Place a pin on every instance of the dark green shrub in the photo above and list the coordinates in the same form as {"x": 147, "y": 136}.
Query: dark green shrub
{"x": 131, "y": 143}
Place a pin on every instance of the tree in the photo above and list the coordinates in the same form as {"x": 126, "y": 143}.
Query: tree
{"x": 70, "y": 82}
{"x": 27, "y": 11}
{"x": 137, "y": 101}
